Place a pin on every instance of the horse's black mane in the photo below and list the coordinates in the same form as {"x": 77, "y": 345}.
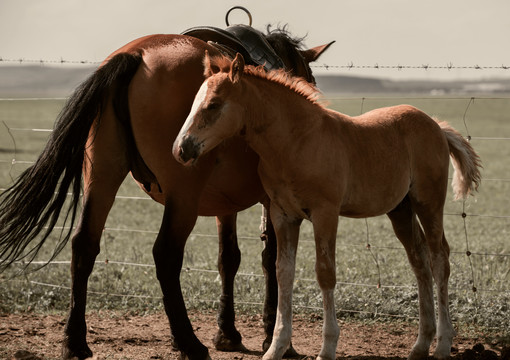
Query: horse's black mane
{"x": 282, "y": 38}
{"x": 284, "y": 43}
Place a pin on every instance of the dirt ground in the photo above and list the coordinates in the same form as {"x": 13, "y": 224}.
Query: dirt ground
{"x": 117, "y": 336}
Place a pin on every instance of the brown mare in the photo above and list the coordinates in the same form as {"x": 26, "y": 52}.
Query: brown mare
{"x": 317, "y": 164}
{"x": 121, "y": 120}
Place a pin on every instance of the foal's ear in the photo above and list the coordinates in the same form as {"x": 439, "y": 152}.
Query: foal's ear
{"x": 210, "y": 68}
{"x": 313, "y": 54}
{"x": 236, "y": 69}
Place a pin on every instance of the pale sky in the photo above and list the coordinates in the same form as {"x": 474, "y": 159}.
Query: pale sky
{"x": 367, "y": 32}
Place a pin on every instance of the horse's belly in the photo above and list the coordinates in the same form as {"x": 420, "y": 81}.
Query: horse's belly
{"x": 234, "y": 184}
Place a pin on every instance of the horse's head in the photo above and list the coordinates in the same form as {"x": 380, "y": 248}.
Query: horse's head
{"x": 215, "y": 115}
{"x": 289, "y": 49}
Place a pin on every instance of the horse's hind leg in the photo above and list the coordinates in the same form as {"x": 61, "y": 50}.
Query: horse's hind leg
{"x": 229, "y": 257}
{"x": 168, "y": 252}
{"x": 85, "y": 248}
{"x": 409, "y": 232}
{"x": 105, "y": 168}
{"x": 269, "y": 267}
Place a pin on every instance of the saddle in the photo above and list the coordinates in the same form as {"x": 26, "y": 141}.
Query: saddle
{"x": 242, "y": 39}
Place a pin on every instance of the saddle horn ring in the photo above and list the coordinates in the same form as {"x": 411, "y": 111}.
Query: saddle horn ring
{"x": 241, "y": 8}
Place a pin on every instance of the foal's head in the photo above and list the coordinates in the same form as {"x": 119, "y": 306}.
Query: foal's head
{"x": 214, "y": 106}
{"x": 215, "y": 114}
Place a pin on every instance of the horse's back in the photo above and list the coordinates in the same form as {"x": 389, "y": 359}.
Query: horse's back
{"x": 160, "y": 98}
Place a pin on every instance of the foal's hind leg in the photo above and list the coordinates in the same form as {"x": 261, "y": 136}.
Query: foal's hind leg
{"x": 229, "y": 257}
{"x": 432, "y": 221}
{"x": 408, "y": 231}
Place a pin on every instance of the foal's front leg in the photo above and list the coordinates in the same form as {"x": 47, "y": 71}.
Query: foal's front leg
{"x": 271, "y": 298}
{"x": 287, "y": 233}
{"x": 325, "y": 228}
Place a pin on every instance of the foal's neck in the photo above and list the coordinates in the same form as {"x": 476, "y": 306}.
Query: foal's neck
{"x": 277, "y": 117}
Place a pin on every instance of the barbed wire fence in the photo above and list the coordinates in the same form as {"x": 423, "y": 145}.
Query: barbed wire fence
{"x": 349, "y": 65}
{"x": 371, "y": 249}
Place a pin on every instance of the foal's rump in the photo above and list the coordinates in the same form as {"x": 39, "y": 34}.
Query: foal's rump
{"x": 431, "y": 142}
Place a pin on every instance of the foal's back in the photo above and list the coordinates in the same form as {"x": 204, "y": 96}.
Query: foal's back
{"x": 382, "y": 153}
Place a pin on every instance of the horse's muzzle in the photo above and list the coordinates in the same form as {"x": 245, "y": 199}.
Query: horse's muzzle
{"x": 187, "y": 150}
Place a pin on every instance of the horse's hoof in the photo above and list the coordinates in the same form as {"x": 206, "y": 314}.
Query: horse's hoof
{"x": 223, "y": 343}
{"x": 80, "y": 353}
{"x": 266, "y": 344}
{"x": 183, "y": 356}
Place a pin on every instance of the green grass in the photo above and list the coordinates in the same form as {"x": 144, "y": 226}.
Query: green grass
{"x": 112, "y": 283}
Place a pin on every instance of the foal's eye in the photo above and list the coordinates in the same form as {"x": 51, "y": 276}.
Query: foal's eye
{"x": 213, "y": 106}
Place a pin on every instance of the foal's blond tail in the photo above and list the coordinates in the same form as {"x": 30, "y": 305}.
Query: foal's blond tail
{"x": 466, "y": 162}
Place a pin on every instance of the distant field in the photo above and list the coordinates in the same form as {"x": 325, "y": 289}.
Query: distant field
{"x": 128, "y": 282}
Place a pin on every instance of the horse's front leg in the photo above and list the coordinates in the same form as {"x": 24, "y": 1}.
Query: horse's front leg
{"x": 287, "y": 233}
{"x": 229, "y": 257}
{"x": 168, "y": 253}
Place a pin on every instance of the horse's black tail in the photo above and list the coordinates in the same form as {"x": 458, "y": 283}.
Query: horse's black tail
{"x": 31, "y": 207}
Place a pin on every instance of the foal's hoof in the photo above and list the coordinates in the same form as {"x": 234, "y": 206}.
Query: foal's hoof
{"x": 223, "y": 343}
{"x": 418, "y": 355}
{"x": 290, "y": 353}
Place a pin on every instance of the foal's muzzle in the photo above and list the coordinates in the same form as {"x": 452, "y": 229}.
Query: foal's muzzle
{"x": 187, "y": 150}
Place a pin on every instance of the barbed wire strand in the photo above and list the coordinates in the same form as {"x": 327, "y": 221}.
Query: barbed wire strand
{"x": 449, "y": 66}
{"x": 349, "y": 66}
{"x": 253, "y": 303}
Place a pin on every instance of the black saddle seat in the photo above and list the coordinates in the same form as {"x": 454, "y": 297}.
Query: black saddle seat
{"x": 243, "y": 39}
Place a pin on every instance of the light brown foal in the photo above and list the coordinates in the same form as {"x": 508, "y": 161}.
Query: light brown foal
{"x": 317, "y": 163}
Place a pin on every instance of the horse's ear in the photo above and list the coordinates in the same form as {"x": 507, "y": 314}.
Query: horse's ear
{"x": 313, "y": 54}
{"x": 237, "y": 68}
{"x": 210, "y": 68}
